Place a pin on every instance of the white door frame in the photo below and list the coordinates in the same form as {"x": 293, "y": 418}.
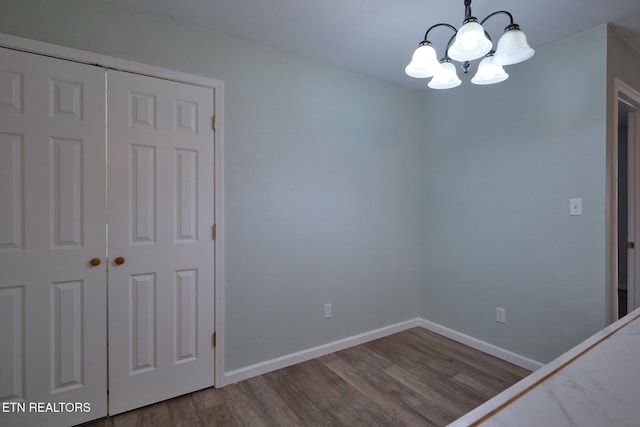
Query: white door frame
{"x": 76, "y": 55}
{"x": 625, "y": 93}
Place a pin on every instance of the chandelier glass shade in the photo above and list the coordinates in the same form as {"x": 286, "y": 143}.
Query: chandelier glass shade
{"x": 446, "y": 77}
{"x": 489, "y": 73}
{"x": 469, "y": 43}
{"x": 424, "y": 62}
{"x": 512, "y": 47}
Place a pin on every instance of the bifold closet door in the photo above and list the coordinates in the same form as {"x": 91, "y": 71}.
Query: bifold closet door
{"x": 160, "y": 198}
{"x": 52, "y": 224}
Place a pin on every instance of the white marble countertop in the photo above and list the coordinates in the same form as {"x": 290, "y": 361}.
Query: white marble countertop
{"x": 596, "y": 383}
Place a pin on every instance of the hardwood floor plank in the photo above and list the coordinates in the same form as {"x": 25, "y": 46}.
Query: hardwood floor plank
{"x": 323, "y": 393}
{"x": 246, "y": 411}
{"x": 272, "y": 403}
{"x": 480, "y": 367}
{"x": 412, "y": 378}
{"x": 154, "y": 415}
{"x": 183, "y": 411}
{"x": 217, "y": 416}
{"x": 436, "y": 367}
{"x": 370, "y": 413}
{"x": 450, "y": 365}
{"x": 212, "y": 408}
{"x": 464, "y": 397}
{"x": 508, "y": 371}
{"x": 451, "y": 407}
{"x": 401, "y": 349}
{"x": 474, "y": 384}
{"x": 128, "y": 419}
{"x": 391, "y": 401}
{"x": 374, "y": 359}
{"x": 207, "y": 398}
{"x": 296, "y": 398}
{"x": 395, "y": 386}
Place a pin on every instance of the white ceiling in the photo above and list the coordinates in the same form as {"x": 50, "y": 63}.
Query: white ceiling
{"x": 377, "y": 37}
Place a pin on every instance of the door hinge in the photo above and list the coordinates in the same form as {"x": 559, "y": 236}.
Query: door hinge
{"x": 631, "y": 245}
{"x": 214, "y": 122}
{"x": 213, "y": 339}
{"x": 213, "y": 232}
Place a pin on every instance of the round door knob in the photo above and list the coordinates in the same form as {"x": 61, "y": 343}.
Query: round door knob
{"x": 94, "y": 262}
{"x": 119, "y": 260}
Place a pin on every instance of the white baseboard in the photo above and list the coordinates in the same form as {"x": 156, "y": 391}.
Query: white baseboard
{"x": 485, "y": 347}
{"x": 301, "y": 356}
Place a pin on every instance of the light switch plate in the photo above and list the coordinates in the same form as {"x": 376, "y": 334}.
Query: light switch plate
{"x": 328, "y": 311}
{"x": 575, "y": 207}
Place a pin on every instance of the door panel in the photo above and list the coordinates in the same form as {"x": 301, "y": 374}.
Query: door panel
{"x": 161, "y": 298}
{"x": 633, "y": 144}
{"x": 52, "y": 216}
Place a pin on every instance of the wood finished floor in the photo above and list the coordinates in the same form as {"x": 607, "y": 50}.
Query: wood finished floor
{"x": 414, "y": 378}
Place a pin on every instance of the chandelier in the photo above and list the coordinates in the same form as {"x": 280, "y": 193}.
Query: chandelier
{"x": 468, "y": 43}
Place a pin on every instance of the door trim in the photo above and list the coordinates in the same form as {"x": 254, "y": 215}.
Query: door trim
{"x": 61, "y": 52}
{"x": 621, "y": 92}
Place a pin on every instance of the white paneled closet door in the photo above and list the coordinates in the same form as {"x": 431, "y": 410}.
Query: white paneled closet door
{"x": 161, "y": 252}
{"x": 52, "y": 216}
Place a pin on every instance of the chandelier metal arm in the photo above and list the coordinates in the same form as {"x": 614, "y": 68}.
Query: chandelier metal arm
{"x": 446, "y": 51}
{"x": 511, "y": 25}
{"x": 442, "y": 24}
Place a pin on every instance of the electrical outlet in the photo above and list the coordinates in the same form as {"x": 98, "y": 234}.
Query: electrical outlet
{"x": 501, "y": 315}
{"x": 327, "y": 311}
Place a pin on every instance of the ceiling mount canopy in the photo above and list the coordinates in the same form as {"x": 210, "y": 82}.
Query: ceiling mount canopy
{"x": 469, "y": 43}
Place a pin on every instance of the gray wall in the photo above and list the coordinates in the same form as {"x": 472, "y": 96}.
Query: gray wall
{"x": 387, "y": 202}
{"x": 500, "y": 164}
{"x": 322, "y": 167}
